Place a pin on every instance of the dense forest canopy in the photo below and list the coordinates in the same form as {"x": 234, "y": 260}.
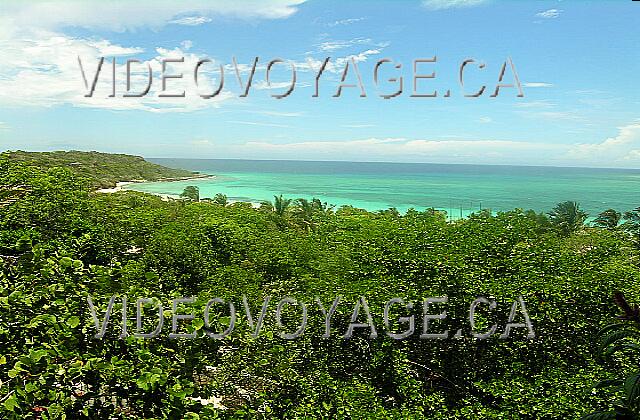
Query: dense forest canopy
{"x": 103, "y": 170}
{"x": 60, "y": 243}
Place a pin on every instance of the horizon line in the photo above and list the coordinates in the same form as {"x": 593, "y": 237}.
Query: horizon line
{"x": 338, "y": 161}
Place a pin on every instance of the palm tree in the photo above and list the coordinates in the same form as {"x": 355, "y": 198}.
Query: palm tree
{"x": 280, "y": 204}
{"x": 322, "y": 207}
{"x": 567, "y": 217}
{"x": 305, "y": 208}
{"x": 608, "y": 219}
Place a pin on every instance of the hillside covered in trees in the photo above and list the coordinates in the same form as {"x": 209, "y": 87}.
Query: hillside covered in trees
{"x": 103, "y": 170}
{"x": 61, "y": 243}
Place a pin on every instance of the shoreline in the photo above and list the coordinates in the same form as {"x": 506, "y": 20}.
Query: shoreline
{"x": 121, "y": 185}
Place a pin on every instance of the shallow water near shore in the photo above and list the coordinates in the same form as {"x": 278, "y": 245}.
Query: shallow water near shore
{"x": 458, "y": 189}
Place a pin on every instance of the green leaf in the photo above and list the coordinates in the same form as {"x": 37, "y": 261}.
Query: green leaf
{"x": 66, "y": 262}
{"x": 616, "y": 336}
{"x": 612, "y": 327}
{"x": 608, "y": 382}
{"x": 11, "y": 403}
{"x": 73, "y": 322}
{"x": 36, "y": 355}
{"x": 627, "y": 346}
{"x": 632, "y": 388}
{"x": 601, "y": 415}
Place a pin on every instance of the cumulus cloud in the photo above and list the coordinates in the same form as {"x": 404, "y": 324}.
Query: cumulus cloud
{"x": 549, "y": 14}
{"x": 449, "y": 4}
{"x": 39, "y": 65}
{"x": 43, "y": 70}
{"x": 621, "y": 150}
{"x": 404, "y": 150}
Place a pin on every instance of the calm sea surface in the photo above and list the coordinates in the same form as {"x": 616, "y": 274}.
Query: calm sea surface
{"x": 459, "y": 189}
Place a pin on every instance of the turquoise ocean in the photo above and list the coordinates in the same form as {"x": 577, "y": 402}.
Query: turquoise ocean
{"x": 458, "y": 189}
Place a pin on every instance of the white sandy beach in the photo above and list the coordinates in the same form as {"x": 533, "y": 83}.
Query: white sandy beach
{"x": 121, "y": 186}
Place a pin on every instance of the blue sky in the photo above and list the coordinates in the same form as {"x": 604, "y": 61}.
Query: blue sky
{"x": 576, "y": 60}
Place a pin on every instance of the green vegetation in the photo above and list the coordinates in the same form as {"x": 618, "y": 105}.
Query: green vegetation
{"x": 608, "y": 219}
{"x": 191, "y": 193}
{"x": 61, "y": 243}
{"x": 617, "y": 342}
{"x": 103, "y": 170}
{"x": 220, "y": 199}
{"x": 567, "y": 217}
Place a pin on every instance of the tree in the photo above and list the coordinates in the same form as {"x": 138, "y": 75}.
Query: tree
{"x": 618, "y": 338}
{"x": 191, "y": 193}
{"x": 281, "y": 204}
{"x": 304, "y": 209}
{"x": 567, "y": 217}
{"x": 325, "y": 208}
{"x": 608, "y": 219}
{"x": 220, "y": 199}
{"x": 632, "y": 223}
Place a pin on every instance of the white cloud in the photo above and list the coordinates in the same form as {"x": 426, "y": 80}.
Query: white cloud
{"x": 191, "y": 20}
{"x": 106, "y": 48}
{"x": 338, "y": 45}
{"x": 39, "y": 66}
{"x": 335, "y": 65}
{"x": 262, "y": 85}
{"x": 622, "y": 150}
{"x": 549, "y": 14}
{"x": 404, "y": 150}
{"x": 186, "y": 44}
{"x": 346, "y": 21}
{"x": 449, "y": 4}
{"x": 42, "y": 70}
{"x": 120, "y": 15}
{"x": 537, "y": 85}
